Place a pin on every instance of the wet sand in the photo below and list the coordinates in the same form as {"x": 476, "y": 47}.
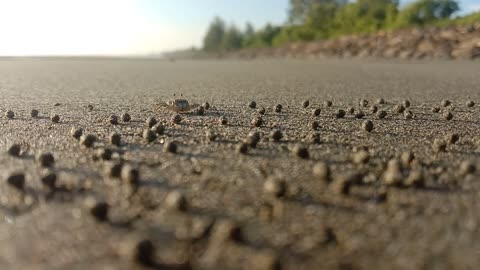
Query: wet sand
{"x": 313, "y": 226}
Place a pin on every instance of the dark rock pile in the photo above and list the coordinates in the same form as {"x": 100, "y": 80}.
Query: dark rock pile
{"x": 453, "y": 42}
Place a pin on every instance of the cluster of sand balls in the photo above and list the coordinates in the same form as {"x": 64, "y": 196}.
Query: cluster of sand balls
{"x": 405, "y": 171}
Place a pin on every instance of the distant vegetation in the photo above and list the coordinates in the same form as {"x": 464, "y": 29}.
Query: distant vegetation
{"x": 323, "y": 19}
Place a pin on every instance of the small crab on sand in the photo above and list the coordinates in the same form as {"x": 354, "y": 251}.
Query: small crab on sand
{"x": 178, "y": 105}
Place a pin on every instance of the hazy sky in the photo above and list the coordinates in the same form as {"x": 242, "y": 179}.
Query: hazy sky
{"x": 115, "y": 27}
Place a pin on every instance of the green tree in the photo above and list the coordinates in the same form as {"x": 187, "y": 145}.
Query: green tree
{"x": 299, "y": 9}
{"x": 232, "y": 39}
{"x": 248, "y": 36}
{"x": 365, "y": 16}
{"x": 293, "y": 33}
{"x": 265, "y": 37}
{"x": 423, "y": 12}
{"x": 213, "y": 40}
{"x": 321, "y": 18}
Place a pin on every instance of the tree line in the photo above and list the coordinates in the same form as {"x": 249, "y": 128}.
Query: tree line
{"x": 322, "y": 19}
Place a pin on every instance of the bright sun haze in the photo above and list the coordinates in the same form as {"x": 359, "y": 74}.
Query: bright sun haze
{"x": 125, "y": 27}
{"x": 66, "y": 27}
{"x": 119, "y": 27}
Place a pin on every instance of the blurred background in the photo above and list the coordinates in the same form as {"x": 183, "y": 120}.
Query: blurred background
{"x": 151, "y": 28}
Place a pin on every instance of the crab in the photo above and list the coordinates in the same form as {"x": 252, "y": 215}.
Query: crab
{"x": 178, "y": 105}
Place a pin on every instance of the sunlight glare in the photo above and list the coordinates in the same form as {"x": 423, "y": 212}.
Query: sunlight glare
{"x": 67, "y": 27}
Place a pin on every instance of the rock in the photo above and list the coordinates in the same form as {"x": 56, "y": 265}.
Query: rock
{"x": 468, "y": 49}
{"x": 415, "y": 43}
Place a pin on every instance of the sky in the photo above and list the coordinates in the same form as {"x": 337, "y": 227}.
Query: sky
{"x": 127, "y": 27}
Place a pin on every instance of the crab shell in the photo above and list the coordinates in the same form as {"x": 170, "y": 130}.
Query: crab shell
{"x": 180, "y": 105}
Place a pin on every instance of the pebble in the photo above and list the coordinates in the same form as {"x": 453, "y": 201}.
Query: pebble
{"x": 439, "y": 145}
{"x": 406, "y": 103}
{"x": 206, "y": 105}
{"x": 251, "y": 142}
{"x": 201, "y": 110}
{"x": 340, "y": 113}
{"x": 88, "y": 140}
{"x": 361, "y": 157}
{"x": 408, "y": 114}
{"x": 170, "y": 147}
{"x": 49, "y": 179}
{"x": 350, "y": 110}
{"x": 278, "y": 108}
{"x": 76, "y": 132}
{"x": 151, "y": 121}
{"x": 130, "y": 175}
{"x": 113, "y": 169}
{"x": 435, "y": 109}
{"x": 452, "y": 138}
{"x": 104, "y": 153}
{"x": 373, "y": 109}
{"x": 261, "y": 111}
{"x": 46, "y": 160}
{"x": 315, "y": 125}
{"x": 276, "y": 135}
{"x": 115, "y": 139}
{"x": 315, "y": 138}
{"x": 360, "y": 114}
{"x": 223, "y": 120}
{"x": 242, "y": 148}
{"x": 301, "y": 152}
{"x": 144, "y": 253}
{"x": 55, "y": 118}
{"x": 470, "y": 103}
{"x": 407, "y": 158}
{"x": 148, "y": 135}
{"x": 393, "y": 174}
{"x": 305, "y": 103}
{"x": 159, "y": 129}
{"x": 126, "y": 117}
{"x": 252, "y": 104}
{"x": 467, "y": 167}
{"x": 175, "y": 200}
{"x": 415, "y": 179}
{"x": 16, "y": 180}
{"x": 380, "y": 101}
{"x": 398, "y": 109}
{"x": 274, "y": 187}
{"x": 363, "y": 102}
{"x": 322, "y": 171}
{"x": 328, "y": 103}
{"x": 211, "y": 136}
{"x": 9, "y": 114}
{"x": 316, "y": 112}
{"x": 367, "y": 125}
{"x": 254, "y": 134}
{"x": 257, "y": 121}
{"x": 100, "y": 211}
{"x": 252, "y": 139}
{"x": 114, "y": 120}
{"x": 226, "y": 230}
{"x": 34, "y": 113}
{"x": 14, "y": 150}
{"x": 342, "y": 185}
{"x": 445, "y": 103}
{"x": 381, "y": 114}
{"x": 176, "y": 119}
{"x": 447, "y": 115}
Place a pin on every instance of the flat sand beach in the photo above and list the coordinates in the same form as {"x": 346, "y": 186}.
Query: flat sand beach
{"x": 306, "y": 191}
